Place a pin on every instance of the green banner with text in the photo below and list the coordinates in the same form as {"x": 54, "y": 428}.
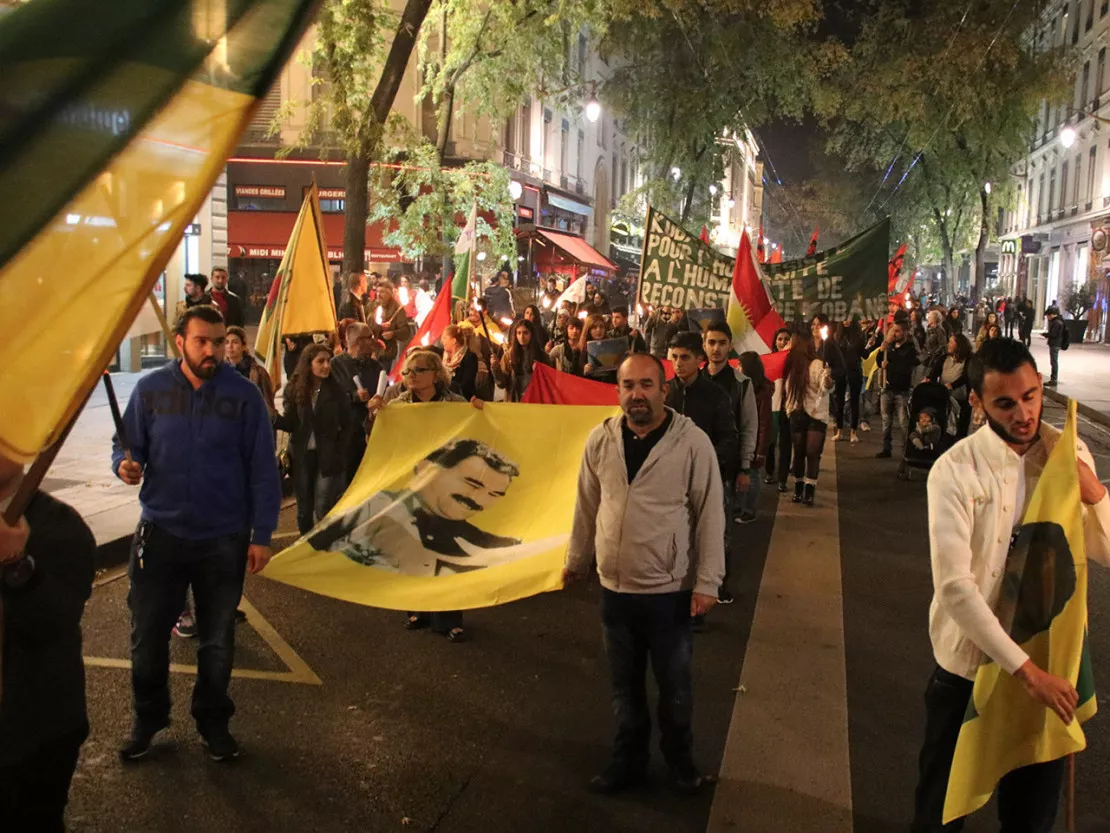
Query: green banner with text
{"x": 678, "y": 270}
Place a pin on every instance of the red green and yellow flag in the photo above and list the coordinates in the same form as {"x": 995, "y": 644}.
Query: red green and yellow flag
{"x": 301, "y": 299}
{"x": 114, "y": 125}
{"x": 1044, "y": 609}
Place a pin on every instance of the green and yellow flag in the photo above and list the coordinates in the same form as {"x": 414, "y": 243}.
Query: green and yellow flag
{"x": 1044, "y": 608}
{"x": 301, "y": 299}
{"x": 452, "y": 508}
{"x": 114, "y": 124}
{"x": 466, "y": 249}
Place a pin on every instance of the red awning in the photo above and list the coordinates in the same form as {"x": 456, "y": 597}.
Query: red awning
{"x": 577, "y": 249}
{"x": 265, "y": 233}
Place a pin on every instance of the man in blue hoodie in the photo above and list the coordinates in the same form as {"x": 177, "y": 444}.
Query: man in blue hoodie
{"x": 199, "y": 439}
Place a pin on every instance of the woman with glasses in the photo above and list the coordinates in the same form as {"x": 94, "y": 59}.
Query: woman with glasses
{"x": 427, "y": 380}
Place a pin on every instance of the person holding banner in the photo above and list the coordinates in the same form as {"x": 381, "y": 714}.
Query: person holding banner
{"x": 514, "y": 371}
{"x": 978, "y": 492}
{"x": 570, "y": 356}
{"x": 357, "y": 372}
{"x": 198, "y": 438}
{"x": 649, "y": 513}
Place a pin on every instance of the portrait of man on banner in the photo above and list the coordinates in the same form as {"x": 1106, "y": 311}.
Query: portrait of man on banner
{"x": 424, "y": 528}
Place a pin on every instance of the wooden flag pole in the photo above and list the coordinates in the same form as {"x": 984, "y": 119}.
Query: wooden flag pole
{"x": 171, "y": 342}
{"x": 1070, "y": 818}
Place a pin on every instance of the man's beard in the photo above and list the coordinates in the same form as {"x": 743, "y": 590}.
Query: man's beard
{"x": 203, "y": 370}
{"x": 643, "y": 415}
{"x": 1000, "y": 430}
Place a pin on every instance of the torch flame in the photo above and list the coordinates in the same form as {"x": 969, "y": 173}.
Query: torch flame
{"x": 546, "y": 302}
{"x": 583, "y": 315}
{"x": 378, "y": 316}
{"x": 508, "y": 322}
{"x": 499, "y": 338}
{"x": 639, "y": 309}
{"x": 403, "y": 292}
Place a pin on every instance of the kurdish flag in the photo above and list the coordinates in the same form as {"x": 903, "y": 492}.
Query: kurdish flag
{"x": 300, "y": 299}
{"x": 431, "y": 329}
{"x": 465, "y": 262}
{"x": 751, "y": 315}
{"x": 114, "y": 124}
{"x": 1044, "y": 609}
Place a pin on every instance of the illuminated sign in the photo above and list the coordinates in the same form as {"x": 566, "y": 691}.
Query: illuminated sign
{"x": 268, "y": 191}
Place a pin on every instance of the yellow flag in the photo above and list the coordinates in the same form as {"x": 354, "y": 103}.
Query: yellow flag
{"x": 301, "y": 298}
{"x": 114, "y": 128}
{"x": 1044, "y": 608}
{"x": 452, "y": 508}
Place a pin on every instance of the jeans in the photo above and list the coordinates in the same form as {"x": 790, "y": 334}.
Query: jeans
{"x": 772, "y": 444}
{"x": 161, "y": 569}
{"x": 1054, "y": 362}
{"x": 730, "y": 505}
{"x": 637, "y": 626}
{"x": 750, "y": 499}
{"x": 34, "y": 792}
{"x": 785, "y": 447}
{"x": 894, "y": 404}
{"x": 1027, "y": 797}
{"x": 853, "y": 386}
{"x": 316, "y": 493}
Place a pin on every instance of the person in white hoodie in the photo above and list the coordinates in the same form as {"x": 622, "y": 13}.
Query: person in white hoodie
{"x": 650, "y": 512}
{"x": 978, "y": 491}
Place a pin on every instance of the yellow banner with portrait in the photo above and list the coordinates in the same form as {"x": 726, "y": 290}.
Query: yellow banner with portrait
{"x": 453, "y": 508}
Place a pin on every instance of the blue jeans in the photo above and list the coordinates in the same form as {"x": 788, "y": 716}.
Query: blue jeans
{"x": 639, "y": 626}
{"x": 316, "y": 493}
{"x": 1054, "y": 361}
{"x": 161, "y": 569}
{"x": 895, "y": 405}
{"x": 749, "y": 500}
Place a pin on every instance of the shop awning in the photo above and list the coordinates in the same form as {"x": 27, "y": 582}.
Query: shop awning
{"x": 568, "y": 204}
{"x": 577, "y": 249}
{"x": 265, "y": 233}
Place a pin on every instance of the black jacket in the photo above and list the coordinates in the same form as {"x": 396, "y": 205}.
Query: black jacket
{"x": 852, "y": 350}
{"x": 352, "y": 307}
{"x": 235, "y": 316}
{"x": 465, "y": 376}
{"x": 636, "y": 343}
{"x": 711, "y": 410}
{"x": 44, "y": 674}
{"x": 344, "y": 368}
{"x": 332, "y": 421}
{"x": 830, "y": 354}
{"x": 960, "y": 386}
{"x": 902, "y": 361}
{"x": 1055, "y": 332}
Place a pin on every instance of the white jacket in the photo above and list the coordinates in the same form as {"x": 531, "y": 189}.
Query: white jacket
{"x": 816, "y": 398}
{"x": 663, "y": 532}
{"x": 973, "y": 492}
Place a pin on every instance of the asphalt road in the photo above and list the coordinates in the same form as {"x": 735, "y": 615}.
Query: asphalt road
{"x": 410, "y": 732}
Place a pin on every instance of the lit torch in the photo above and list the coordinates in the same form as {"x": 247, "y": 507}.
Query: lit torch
{"x": 508, "y": 322}
{"x": 498, "y": 338}
{"x": 546, "y": 302}
{"x": 378, "y": 316}
{"x": 583, "y": 315}
{"x": 403, "y": 292}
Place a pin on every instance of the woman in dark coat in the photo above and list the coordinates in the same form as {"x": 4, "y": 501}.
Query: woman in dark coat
{"x": 317, "y": 415}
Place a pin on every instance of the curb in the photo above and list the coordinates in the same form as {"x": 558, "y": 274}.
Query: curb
{"x": 1084, "y": 410}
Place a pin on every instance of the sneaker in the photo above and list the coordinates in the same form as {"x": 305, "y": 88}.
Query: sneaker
{"x": 686, "y": 778}
{"x": 138, "y": 745}
{"x": 186, "y": 626}
{"x": 769, "y": 479}
{"x": 746, "y": 518}
{"x": 884, "y": 454}
{"x": 782, "y": 488}
{"x": 865, "y": 426}
{"x": 220, "y": 744}
{"x": 615, "y": 778}
{"x": 724, "y": 597}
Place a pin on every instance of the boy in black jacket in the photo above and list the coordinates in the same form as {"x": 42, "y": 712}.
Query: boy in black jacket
{"x": 898, "y": 359}
{"x": 46, "y": 574}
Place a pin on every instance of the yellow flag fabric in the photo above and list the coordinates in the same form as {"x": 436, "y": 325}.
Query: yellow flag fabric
{"x": 452, "y": 508}
{"x": 113, "y": 129}
{"x": 301, "y": 298}
{"x": 1044, "y": 608}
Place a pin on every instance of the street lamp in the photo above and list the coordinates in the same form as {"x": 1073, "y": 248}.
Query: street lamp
{"x": 481, "y": 256}
{"x": 987, "y": 187}
{"x": 1068, "y": 136}
{"x": 593, "y": 109}
{"x": 712, "y": 190}
{"x": 515, "y": 189}
{"x": 676, "y": 172}
{"x": 731, "y": 202}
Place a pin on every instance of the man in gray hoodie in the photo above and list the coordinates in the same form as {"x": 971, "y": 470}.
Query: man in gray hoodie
{"x": 650, "y": 512}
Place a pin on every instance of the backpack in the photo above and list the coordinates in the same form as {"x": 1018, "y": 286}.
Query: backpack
{"x": 1065, "y": 336}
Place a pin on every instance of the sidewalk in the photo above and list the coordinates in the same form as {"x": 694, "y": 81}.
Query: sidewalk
{"x": 1084, "y": 376}
{"x": 82, "y": 476}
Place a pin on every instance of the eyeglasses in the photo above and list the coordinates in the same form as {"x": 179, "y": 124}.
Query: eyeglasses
{"x": 412, "y": 371}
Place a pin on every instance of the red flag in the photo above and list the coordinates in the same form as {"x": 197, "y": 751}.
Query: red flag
{"x": 759, "y": 252}
{"x": 705, "y": 235}
{"x": 812, "y": 250}
{"x": 751, "y": 296}
{"x": 773, "y": 364}
{"x": 439, "y": 316}
{"x": 553, "y": 387}
{"x": 894, "y": 269}
{"x": 776, "y": 255}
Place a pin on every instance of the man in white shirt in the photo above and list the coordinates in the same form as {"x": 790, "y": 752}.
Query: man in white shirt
{"x": 977, "y": 496}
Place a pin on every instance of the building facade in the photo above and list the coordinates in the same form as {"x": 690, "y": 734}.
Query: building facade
{"x": 1062, "y": 186}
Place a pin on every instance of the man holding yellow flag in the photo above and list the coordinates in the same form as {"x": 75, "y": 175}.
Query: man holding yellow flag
{"x": 1011, "y": 527}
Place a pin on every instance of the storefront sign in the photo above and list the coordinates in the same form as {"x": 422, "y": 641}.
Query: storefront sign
{"x": 1009, "y": 247}
{"x": 276, "y": 192}
{"x": 526, "y": 213}
{"x": 278, "y": 252}
{"x": 328, "y": 193}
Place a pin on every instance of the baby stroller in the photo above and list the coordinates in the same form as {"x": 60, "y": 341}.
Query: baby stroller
{"x": 932, "y": 398}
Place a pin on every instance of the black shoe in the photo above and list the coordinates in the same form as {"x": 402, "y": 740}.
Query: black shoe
{"x": 884, "y": 454}
{"x": 799, "y": 487}
{"x": 724, "y": 597}
{"x": 139, "y": 743}
{"x": 1051, "y": 383}
{"x": 769, "y": 479}
{"x": 615, "y": 778}
{"x": 745, "y": 518}
{"x": 240, "y": 616}
{"x": 686, "y": 779}
{"x": 220, "y": 744}
{"x": 698, "y": 624}
{"x": 807, "y": 499}
{"x": 782, "y": 488}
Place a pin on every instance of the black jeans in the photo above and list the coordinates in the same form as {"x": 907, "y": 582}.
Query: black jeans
{"x": 1027, "y": 797}
{"x": 853, "y": 386}
{"x": 162, "y": 568}
{"x": 316, "y": 493}
{"x": 785, "y": 447}
{"x": 34, "y": 792}
{"x": 638, "y": 626}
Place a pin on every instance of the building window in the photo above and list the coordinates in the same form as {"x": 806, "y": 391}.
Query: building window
{"x": 1074, "y": 29}
{"x": 581, "y": 154}
{"x": 1090, "y": 16}
{"x": 1052, "y": 190}
{"x": 564, "y": 145}
{"x": 1075, "y": 180}
{"x": 1063, "y": 185}
{"x": 1092, "y": 160}
{"x": 581, "y": 56}
{"x": 1040, "y": 199}
{"x": 1085, "y": 86}
{"x": 526, "y": 130}
{"x": 1100, "y": 74}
